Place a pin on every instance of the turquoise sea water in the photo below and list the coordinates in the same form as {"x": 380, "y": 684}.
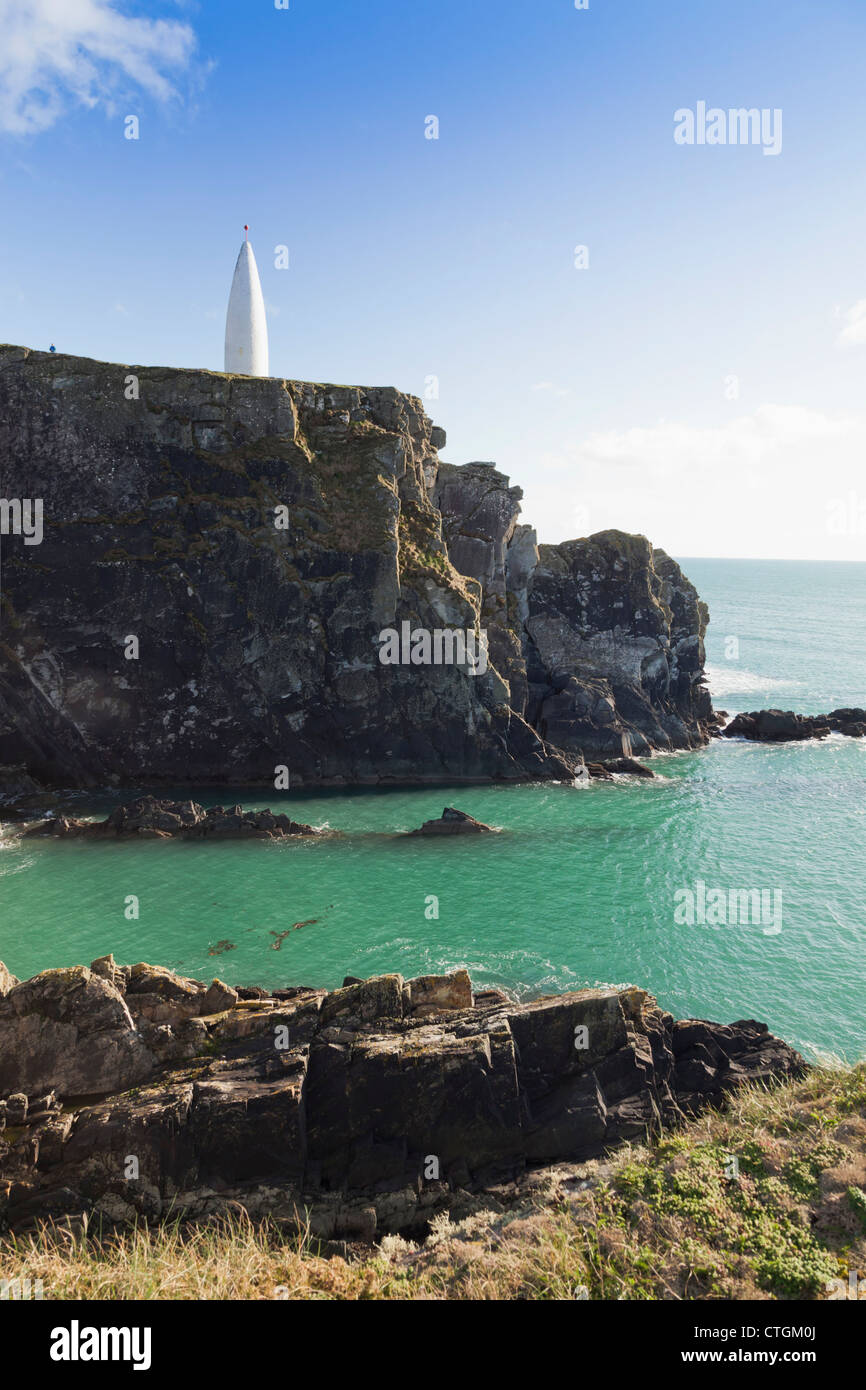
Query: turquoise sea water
{"x": 578, "y": 889}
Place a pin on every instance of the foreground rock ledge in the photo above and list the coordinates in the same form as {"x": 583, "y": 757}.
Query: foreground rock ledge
{"x": 371, "y": 1107}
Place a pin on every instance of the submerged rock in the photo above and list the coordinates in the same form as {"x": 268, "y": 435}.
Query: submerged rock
{"x": 370, "y": 1107}
{"x": 784, "y": 726}
{"x": 453, "y": 822}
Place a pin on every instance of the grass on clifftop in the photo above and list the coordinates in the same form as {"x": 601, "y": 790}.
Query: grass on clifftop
{"x": 663, "y": 1222}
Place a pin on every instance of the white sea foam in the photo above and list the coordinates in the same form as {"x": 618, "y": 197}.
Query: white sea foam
{"x": 726, "y": 680}
{"x": 18, "y": 866}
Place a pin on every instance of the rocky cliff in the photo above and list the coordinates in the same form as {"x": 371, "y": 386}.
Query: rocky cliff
{"x": 600, "y": 639}
{"x": 131, "y": 1091}
{"x": 220, "y": 556}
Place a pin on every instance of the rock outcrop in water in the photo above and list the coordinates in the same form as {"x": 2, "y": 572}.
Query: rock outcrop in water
{"x": 148, "y": 816}
{"x": 453, "y": 822}
{"x": 370, "y": 1107}
{"x": 783, "y": 726}
{"x": 219, "y": 560}
{"x": 623, "y": 767}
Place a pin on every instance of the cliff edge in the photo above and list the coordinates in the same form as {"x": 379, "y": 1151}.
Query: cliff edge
{"x": 221, "y": 555}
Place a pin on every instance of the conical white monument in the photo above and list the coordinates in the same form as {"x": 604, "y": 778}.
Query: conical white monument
{"x": 246, "y": 326}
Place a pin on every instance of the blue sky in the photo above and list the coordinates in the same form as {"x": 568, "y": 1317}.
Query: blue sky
{"x": 605, "y": 392}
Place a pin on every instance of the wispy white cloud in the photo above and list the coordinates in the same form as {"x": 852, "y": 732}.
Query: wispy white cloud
{"x": 751, "y": 443}
{"x": 854, "y": 332}
{"x": 771, "y": 482}
{"x": 550, "y": 386}
{"x": 57, "y": 54}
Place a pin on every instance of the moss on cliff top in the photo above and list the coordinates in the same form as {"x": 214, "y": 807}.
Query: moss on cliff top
{"x": 47, "y": 364}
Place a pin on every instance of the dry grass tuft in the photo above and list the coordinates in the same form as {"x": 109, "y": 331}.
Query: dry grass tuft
{"x": 666, "y": 1222}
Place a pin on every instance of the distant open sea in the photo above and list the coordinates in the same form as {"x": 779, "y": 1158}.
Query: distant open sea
{"x": 578, "y": 890}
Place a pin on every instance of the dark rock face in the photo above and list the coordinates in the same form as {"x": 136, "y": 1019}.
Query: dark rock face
{"x": 150, "y": 817}
{"x": 453, "y": 822}
{"x": 783, "y": 726}
{"x": 257, "y": 629}
{"x": 615, "y": 651}
{"x": 600, "y": 639}
{"x": 17, "y": 788}
{"x": 372, "y": 1106}
{"x": 222, "y": 554}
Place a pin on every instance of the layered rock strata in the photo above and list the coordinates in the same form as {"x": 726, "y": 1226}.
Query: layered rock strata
{"x": 370, "y": 1107}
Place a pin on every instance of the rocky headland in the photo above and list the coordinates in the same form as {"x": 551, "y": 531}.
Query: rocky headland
{"x": 219, "y": 557}
{"x": 130, "y": 1091}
